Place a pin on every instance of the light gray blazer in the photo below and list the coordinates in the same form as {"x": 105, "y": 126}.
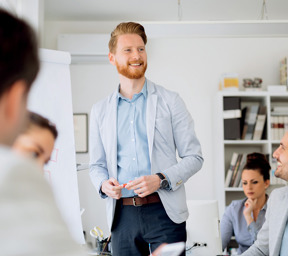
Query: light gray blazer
{"x": 169, "y": 127}
{"x": 269, "y": 238}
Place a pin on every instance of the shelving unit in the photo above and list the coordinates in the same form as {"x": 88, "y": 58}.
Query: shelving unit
{"x": 224, "y": 148}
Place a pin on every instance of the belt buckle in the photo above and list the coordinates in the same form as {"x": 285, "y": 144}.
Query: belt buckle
{"x": 134, "y": 202}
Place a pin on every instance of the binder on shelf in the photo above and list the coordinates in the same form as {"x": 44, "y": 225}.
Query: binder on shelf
{"x": 281, "y": 130}
{"x": 245, "y": 125}
{"x": 231, "y": 169}
{"x": 260, "y": 123}
{"x": 240, "y": 184}
{"x": 239, "y": 158}
{"x": 285, "y": 123}
{"x": 251, "y": 122}
{"x": 232, "y": 117}
{"x": 239, "y": 172}
{"x": 274, "y": 127}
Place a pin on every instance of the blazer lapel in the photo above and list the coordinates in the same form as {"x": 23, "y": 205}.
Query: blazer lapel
{"x": 111, "y": 133}
{"x": 150, "y": 116}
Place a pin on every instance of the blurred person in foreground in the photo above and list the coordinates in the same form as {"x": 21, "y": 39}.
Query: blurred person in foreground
{"x": 244, "y": 218}
{"x": 30, "y": 221}
{"x": 272, "y": 239}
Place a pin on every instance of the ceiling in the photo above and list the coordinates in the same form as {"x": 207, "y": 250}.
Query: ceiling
{"x": 163, "y": 10}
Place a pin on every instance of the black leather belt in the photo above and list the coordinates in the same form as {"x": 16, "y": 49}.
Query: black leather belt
{"x": 138, "y": 201}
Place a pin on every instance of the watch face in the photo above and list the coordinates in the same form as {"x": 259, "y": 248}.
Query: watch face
{"x": 164, "y": 183}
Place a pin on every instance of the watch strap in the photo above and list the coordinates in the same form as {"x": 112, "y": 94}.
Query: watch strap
{"x": 161, "y": 176}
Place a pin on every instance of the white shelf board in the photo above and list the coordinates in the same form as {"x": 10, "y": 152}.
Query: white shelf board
{"x": 233, "y": 189}
{"x": 254, "y": 28}
{"x": 245, "y": 142}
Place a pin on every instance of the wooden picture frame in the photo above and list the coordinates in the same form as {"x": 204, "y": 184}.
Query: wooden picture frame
{"x": 80, "y": 121}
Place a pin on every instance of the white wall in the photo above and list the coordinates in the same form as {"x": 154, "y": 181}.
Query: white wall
{"x": 188, "y": 65}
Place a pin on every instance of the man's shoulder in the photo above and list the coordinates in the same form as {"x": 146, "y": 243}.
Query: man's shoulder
{"x": 164, "y": 93}
{"x": 279, "y": 191}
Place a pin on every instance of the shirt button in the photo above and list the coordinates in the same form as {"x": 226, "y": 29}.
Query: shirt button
{"x": 131, "y": 122}
{"x": 134, "y": 158}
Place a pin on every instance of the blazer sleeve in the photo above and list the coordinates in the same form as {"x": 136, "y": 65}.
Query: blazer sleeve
{"x": 98, "y": 164}
{"x": 187, "y": 144}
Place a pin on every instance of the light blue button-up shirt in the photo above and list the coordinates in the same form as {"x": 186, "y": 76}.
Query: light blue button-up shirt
{"x": 233, "y": 223}
{"x": 132, "y": 144}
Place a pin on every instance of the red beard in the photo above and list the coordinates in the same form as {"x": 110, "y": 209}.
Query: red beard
{"x": 131, "y": 73}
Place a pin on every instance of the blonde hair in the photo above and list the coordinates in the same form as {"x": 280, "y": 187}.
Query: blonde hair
{"x": 126, "y": 28}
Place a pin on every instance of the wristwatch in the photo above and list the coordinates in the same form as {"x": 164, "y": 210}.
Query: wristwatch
{"x": 164, "y": 184}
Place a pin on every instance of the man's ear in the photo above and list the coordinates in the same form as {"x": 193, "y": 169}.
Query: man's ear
{"x": 13, "y": 112}
{"x": 267, "y": 183}
{"x": 111, "y": 58}
{"x": 15, "y": 98}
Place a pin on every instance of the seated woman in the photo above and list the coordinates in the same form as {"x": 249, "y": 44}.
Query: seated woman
{"x": 37, "y": 141}
{"x": 244, "y": 218}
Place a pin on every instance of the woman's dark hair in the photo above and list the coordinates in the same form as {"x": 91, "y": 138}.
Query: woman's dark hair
{"x": 40, "y": 121}
{"x": 258, "y": 162}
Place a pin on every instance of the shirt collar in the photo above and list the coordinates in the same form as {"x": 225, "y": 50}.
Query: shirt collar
{"x": 143, "y": 91}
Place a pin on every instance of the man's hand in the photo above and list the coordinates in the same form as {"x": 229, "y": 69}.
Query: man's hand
{"x": 249, "y": 207}
{"x": 112, "y": 188}
{"x": 144, "y": 185}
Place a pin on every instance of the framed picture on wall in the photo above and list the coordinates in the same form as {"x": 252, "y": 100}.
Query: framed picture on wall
{"x": 81, "y": 132}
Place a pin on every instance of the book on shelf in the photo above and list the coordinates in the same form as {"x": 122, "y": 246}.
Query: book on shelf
{"x": 240, "y": 184}
{"x": 231, "y": 169}
{"x": 244, "y": 121}
{"x": 239, "y": 171}
{"x": 279, "y": 125}
{"x": 236, "y": 169}
{"x": 281, "y": 130}
{"x": 251, "y": 121}
{"x": 260, "y": 123}
{"x": 285, "y": 124}
{"x": 231, "y": 116}
{"x": 274, "y": 127}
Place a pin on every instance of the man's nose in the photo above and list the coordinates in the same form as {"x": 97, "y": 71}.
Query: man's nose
{"x": 275, "y": 154}
{"x": 136, "y": 55}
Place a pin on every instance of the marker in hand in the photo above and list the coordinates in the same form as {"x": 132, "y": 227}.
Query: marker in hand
{"x": 125, "y": 184}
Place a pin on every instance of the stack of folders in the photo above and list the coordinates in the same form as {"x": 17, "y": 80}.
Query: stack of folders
{"x": 232, "y": 118}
